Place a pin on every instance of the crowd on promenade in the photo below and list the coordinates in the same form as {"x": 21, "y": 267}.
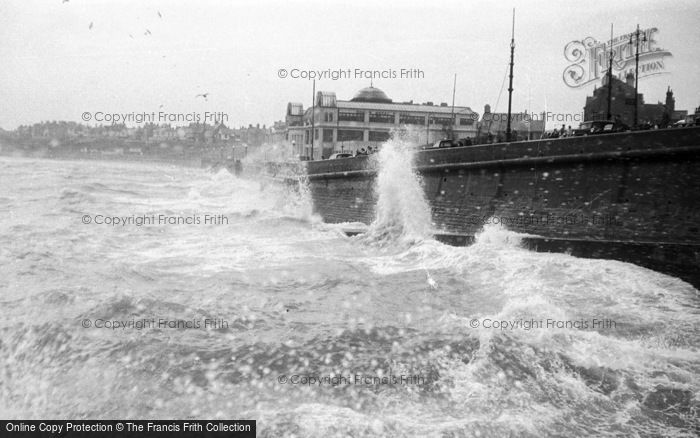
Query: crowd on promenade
{"x": 557, "y": 133}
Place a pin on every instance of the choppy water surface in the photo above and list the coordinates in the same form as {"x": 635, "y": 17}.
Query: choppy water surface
{"x": 303, "y": 302}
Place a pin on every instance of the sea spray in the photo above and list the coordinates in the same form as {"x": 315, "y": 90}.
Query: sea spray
{"x": 302, "y": 200}
{"x": 402, "y": 212}
{"x": 313, "y": 304}
{"x": 497, "y": 235}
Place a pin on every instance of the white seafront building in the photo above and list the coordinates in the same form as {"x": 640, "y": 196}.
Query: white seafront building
{"x": 367, "y": 119}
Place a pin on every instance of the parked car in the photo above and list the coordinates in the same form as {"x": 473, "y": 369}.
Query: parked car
{"x": 340, "y": 155}
{"x": 595, "y": 127}
{"x": 644, "y": 127}
{"x": 445, "y": 144}
{"x": 683, "y": 123}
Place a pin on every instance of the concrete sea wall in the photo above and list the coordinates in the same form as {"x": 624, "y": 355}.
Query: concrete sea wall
{"x": 628, "y": 196}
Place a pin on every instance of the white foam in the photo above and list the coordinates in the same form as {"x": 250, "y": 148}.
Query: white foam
{"x": 402, "y": 212}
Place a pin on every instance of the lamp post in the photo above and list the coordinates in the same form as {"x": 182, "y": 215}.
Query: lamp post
{"x": 510, "y": 84}
{"x": 313, "y": 119}
{"x": 636, "y": 75}
{"x": 452, "y": 114}
{"x": 610, "y": 64}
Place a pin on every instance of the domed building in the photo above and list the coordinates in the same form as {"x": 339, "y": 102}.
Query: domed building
{"x": 371, "y": 94}
{"x": 333, "y": 126}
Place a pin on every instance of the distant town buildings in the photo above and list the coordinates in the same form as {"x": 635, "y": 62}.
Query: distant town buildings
{"x": 694, "y": 118}
{"x": 622, "y": 105}
{"x": 333, "y": 125}
{"x": 203, "y": 134}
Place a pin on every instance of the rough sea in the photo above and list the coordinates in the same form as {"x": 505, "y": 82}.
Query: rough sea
{"x": 126, "y": 295}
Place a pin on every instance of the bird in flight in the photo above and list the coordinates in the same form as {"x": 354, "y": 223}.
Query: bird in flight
{"x": 90, "y": 27}
{"x": 64, "y": 1}
{"x": 148, "y": 32}
{"x": 159, "y": 14}
{"x": 204, "y": 95}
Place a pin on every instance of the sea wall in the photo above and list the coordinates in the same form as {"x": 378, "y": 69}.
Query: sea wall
{"x": 640, "y": 188}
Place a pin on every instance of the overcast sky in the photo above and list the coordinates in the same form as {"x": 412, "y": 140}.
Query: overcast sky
{"x": 55, "y": 67}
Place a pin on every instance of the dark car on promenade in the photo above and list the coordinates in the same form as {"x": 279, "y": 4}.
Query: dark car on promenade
{"x": 595, "y": 127}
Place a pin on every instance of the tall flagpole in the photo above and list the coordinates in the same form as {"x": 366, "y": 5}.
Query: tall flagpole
{"x": 313, "y": 119}
{"x": 636, "y": 77}
{"x": 610, "y": 62}
{"x": 452, "y": 116}
{"x": 510, "y": 85}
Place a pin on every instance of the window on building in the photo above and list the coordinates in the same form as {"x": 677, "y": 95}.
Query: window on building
{"x": 316, "y": 134}
{"x": 350, "y": 135}
{"x": 378, "y": 136}
{"x": 381, "y": 117}
{"x": 466, "y": 121}
{"x": 411, "y": 119}
{"x": 328, "y": 117}
{"x": 440, "y": 120}
{"x": 328, "y": 135}
{"x": 351, "y": 116}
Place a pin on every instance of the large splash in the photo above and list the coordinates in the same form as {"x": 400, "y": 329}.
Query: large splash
{"x": 402, "y": 212}
{"x": 308, "y": 303}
